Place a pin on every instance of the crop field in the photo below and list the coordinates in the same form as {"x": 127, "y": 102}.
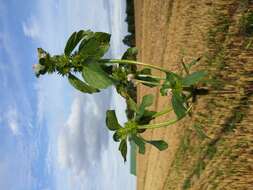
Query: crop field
{"x": 212, "y": 149}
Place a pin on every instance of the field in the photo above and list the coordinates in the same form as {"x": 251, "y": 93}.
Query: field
{"x": 168, "y": 32}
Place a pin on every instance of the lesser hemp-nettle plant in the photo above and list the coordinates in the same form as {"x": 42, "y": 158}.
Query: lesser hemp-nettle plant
{"x": 84, "y": 54}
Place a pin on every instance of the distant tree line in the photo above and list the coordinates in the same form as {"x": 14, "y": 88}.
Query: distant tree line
{"x": 129, "y": 39}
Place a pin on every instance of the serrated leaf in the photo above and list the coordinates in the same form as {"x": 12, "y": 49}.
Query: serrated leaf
{"x": 72, "y": 42}
{"x": 193, "y": 78}
{"x": 112, "y": 121}
{"x": 178, "y": 104}
{"x": 80, "y": 85}
{"x": 94, "y": 75}
{"x": 159, "y": 144}
{"x": 140, "y": 143}
{"x": 123, "y": 149}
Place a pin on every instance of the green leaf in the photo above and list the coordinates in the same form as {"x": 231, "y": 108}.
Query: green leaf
{"x": 173, "y": 81}
{"x": 80, "y": 85}
{"x": 151, "y": 82}
{"x": 130, "y": 53}
{"x": 112, "y": 121}
{"x": 123, "y": 149}
{"x": 96, "y": 46}
{"x": 140, "y": 143}
{"x": 116, "y": 136}
{"x": 146, "y": 117}
{"x": 94, "y": 75}
{"x": 145, "y": 71}
{"x": 159, "y": 144}
{"x": 178, "y": 104}
{"x": 132, "y": 104}
{"x": 193, "y": 78}
{"x": 147, "y": 101}
{"x": 72, "y": 42}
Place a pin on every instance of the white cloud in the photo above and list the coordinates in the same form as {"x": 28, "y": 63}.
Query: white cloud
{"x": 31, "y": 28}
{"x": 85, "y": 149}
{"x": 10, "y": 118}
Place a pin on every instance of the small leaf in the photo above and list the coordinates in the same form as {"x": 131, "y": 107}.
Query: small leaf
{"x": 94, "y": 75}
{"x": 72, "y": 42}
{"x": 159, "y": 144}
{"x": 123, "y": 149}
{"x": 80, "y": 85}
{"x": 140, "y": 143}
{"x": 146, "y": 117}
{"x": 116, "y": 136}
{"x": 132, "y": 104}
{"x": 147, "y": 100}
{"x": 145, "y": 71}
{"x": 193, "y": 78}
{"x": 112, "y": 121}
{"x": 130, "y": 53}
{"x": 178, "y": 104}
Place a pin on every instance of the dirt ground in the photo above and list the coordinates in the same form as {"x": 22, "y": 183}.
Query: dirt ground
{"x": 168, "y": 31}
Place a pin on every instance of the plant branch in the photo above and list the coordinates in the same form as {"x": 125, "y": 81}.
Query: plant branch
{"x": 131, "y": 62}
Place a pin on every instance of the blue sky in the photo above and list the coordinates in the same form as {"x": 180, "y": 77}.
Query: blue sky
{"x": 51, "y": 136}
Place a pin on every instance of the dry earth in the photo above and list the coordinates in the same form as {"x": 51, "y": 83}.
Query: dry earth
{"x": 168, "y": 31}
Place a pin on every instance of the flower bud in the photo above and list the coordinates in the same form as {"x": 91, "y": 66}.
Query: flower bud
{"x": 38, "y": 69}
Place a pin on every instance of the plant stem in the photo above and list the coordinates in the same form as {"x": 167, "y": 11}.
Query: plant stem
{"x": 124, "y": 61}
{"x": 152, "y": 76}
{"x": 162, "y": 112}
{"x": 164, "y": 124}
{"x": 154, "y": 126}
{"x": 147, "y": 82}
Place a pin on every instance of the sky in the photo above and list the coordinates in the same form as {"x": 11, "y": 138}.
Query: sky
{"x": 52, "y": 136}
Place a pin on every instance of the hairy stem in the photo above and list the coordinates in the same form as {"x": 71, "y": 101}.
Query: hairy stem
{"x": 131, "y": 62}
{"x": 158, "y": 125}
{"x": 165, "y": 111}
{"x": 147, "y": 82}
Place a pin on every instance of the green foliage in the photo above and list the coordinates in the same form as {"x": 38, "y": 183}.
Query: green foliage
{"x": 80, "y": 85}
{"x": 83, "y": 54}
{"x": 112, "y": 121}
{"x": 74, "y": 39}
{"x": 159, "y": 144}
{"x": 178, "y": 104}
{"x": 193, "y": 78}
{"x": 123, "y": 148}
{"x": 94, "y": 75}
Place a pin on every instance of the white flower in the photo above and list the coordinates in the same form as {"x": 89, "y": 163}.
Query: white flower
{"x": 169, "y": 92}
{"x": 130, "y": 77}
{"x": 37, "y": 68}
